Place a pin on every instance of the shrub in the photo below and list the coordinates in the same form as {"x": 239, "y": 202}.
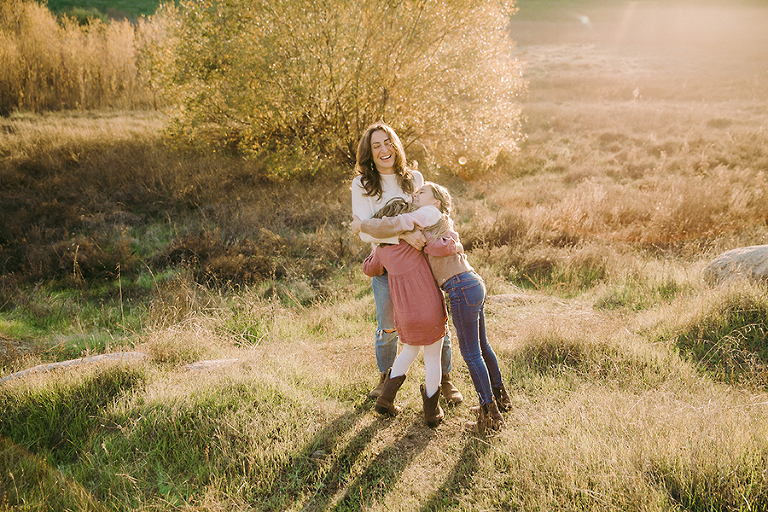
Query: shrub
{"x": 251, "y": 78}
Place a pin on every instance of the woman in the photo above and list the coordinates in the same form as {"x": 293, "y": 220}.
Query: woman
{"x": 465, "y": 289}
{"x": 381, "y": 174}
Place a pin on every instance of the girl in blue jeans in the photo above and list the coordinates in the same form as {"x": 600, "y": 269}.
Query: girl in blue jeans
{"x": 466, "y": 293}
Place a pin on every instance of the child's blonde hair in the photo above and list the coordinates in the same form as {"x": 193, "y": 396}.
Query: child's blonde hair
{"x": 445, "y": 223}
{"x": 441, "y": 193}
{"x": 395, "y": 207}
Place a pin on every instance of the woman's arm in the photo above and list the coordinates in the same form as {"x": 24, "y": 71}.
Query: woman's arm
{"x": 363, "y": 208}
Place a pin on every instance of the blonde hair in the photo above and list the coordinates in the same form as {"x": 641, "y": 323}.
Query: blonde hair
{"x": 441, "y": 193}
{"x": 395, "y": 207}
{"x": 445, "y": 223}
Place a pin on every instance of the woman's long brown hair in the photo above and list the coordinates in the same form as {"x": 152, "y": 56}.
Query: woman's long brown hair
{"x": 366, "y": 168}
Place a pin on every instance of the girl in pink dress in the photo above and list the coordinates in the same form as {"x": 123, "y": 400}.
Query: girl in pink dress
{"x": 420, "y": 317}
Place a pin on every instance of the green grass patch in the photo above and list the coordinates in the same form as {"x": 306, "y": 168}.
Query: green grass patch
{"x": 131, "y": 9}
{"x": 728, "y": 335}
{"x": 639, "y": 295}
{"x": 57, "y": 420}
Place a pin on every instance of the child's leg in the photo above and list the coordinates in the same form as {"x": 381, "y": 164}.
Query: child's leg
{"x": 432, "y": 369}
{"x": 467, "y": 295}
{"x": 403, "y": 362}
{"x": 489, "y": 356}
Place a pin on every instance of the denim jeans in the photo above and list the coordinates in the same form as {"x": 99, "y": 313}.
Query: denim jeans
{"x": 466, "y": 292}
{"x": 385, "y": 343}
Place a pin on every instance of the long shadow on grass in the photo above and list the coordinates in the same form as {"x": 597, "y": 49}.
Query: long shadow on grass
{"x": 336, "y": 476}
{"x": 305, "y": 472}
{"x": 460, "y": 477}
{"x": 383, "y": 472}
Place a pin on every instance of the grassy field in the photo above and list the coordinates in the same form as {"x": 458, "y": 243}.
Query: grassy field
{"x": 635, "y": 385}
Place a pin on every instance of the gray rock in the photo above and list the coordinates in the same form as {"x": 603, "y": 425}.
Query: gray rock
{"x": 114, "y": 356}
{"x": 749, "y": 263}
{"x": 210, "y": 364}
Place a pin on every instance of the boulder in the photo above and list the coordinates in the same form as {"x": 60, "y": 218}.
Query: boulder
{"x": 114, "y": 356}
{"x": 749, "y": 263}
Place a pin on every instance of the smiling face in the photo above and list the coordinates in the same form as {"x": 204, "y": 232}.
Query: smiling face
{"x": 383, "y": 152}
{"x": 425, "y": 197}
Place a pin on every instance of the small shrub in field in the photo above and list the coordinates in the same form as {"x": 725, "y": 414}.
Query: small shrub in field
{"x": 218, "y": 261}
{"x": 556, "y": 348}
{"x": 505, "y": 228}
{"x": 177, "y": 299}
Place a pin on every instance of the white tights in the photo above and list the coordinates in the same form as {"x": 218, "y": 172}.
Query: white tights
{"x": 432, "y": 368}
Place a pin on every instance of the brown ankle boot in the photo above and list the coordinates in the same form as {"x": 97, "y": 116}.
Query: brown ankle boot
{"x": 385, "y": 403}
{"x": 497, "y": 420}
{"x": 376, "y": 392}
{"x": 433, "y": 413}
{"x": 449, "y": 391}
{"x": 488, "y": 418}
{"x": 482, "y": 422}
{"x": 502, "y": 398}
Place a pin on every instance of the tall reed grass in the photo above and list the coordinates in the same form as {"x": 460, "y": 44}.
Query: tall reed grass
{"x": 49, "y": 63}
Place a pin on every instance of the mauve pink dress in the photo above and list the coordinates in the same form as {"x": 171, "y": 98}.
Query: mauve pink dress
{"x": 420, "y": 313}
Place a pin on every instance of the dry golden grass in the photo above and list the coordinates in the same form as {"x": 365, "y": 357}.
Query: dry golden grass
{"x": 595, "y": 233}
{"x": 50, "y": 64}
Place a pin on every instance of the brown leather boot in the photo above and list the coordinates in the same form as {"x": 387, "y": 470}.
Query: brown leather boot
{"x": 385, "y": 403}
{"x": 502, "y": 398}
{"x": 483, "y": 421}
{"x": 449, "y": 391}
{"x": 433, "y": 413}
{"x": 376, "y": 392}
{"x": 488, "y": 418}
{"x": 497, "y": 420}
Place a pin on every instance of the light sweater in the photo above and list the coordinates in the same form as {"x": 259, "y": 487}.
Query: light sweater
{"x": 366, "y": 206}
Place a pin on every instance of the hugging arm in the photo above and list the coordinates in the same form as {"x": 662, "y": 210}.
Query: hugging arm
{"x": 393, "y": 226}
{"x": 443, "y": 246}
{"x": 372, "y": 265}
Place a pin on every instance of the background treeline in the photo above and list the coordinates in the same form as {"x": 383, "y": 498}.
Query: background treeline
{"x": 250, "y": 79}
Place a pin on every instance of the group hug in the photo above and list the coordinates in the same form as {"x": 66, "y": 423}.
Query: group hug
{"x": 416, "y": 258}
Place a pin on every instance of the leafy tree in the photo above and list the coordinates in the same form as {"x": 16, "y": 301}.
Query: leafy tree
{"x": 310, "y": 75}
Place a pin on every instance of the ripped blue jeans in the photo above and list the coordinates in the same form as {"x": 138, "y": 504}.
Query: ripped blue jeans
{"x": 385, "y": 343}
